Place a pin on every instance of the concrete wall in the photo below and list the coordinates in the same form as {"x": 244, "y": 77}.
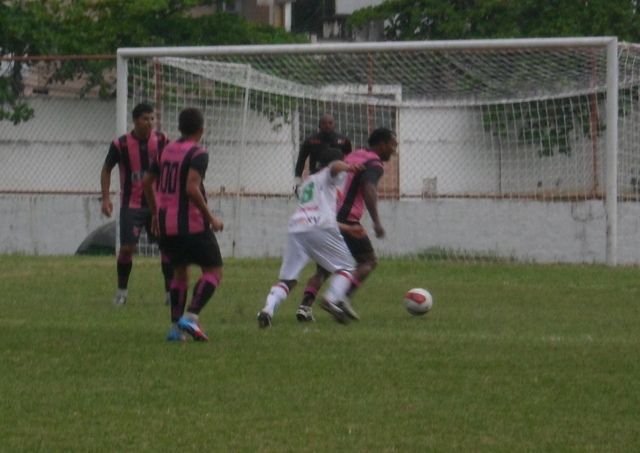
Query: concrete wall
{"x": 256, "y": 227}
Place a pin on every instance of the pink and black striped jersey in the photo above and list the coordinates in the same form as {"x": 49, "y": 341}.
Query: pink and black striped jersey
{"x": 134, "y": 158}
{"x": 177, "y": 214}
{"x": 351, "y": 198}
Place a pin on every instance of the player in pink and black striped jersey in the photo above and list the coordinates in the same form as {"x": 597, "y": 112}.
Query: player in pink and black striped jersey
{"x": 133, "y": 154}
{"x": 184, "y": 223}
{"x": 360, "y": 191}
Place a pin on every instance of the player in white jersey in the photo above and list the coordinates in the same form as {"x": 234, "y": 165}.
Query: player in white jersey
{"x": 314, "y": 235}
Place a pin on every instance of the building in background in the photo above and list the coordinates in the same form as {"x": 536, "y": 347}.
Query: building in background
{"x": 321, "y": 20}
{"x": 326, "y": 20}
{"x": 276, "y": 13}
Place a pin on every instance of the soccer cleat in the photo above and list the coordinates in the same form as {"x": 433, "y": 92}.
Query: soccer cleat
{"x": 175, "y": 335}
{"x": 264, "y": 320}
{"x": 345, "y": 306}
{"x": 335, "y": 311}
{"x": 304, "y": 314}
{"x": 120, "y": 298}
{"x": 192, "y": 327}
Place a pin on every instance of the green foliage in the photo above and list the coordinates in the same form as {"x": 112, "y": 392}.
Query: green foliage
{"x": 550, "y": 132}
{"x": 476, "y": 19}
{"x": 87, "y": 27}
{"x": 512, "y": 358}
{"x": 18, "y": 111}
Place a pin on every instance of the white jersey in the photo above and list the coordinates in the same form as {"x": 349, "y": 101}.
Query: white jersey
{"x": 317, "y": 202}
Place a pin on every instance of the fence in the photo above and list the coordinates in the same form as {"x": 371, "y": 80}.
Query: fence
{"x": 471, "y": 141}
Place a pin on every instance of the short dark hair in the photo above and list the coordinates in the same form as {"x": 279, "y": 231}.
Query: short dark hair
{"x": 190, "y": 121}
{"x": 140, "y": 110}
{"x": 380, "y": 135}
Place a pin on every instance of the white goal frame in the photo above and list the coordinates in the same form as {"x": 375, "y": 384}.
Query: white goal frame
{"x": 610, "y": 43}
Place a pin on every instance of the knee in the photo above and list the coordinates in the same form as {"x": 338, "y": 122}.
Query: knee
{"x": 213, "y": 275}
{"x": 126, "y": 251}
{"x": 180, "y": 274}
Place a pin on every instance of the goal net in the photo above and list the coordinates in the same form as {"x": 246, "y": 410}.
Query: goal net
{"x": 492, "y": 125}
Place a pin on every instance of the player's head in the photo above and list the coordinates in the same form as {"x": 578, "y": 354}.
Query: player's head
{"x": 143, "y": 119}
{"x": 328, "y": 155}
{"x": 190, "y": 122}
{"x": 326, "y": 123}
{"x": 383, "y": 141}
{"x": 140, "y": 110}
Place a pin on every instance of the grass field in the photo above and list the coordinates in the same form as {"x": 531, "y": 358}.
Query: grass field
{"x": 512, "y": 358}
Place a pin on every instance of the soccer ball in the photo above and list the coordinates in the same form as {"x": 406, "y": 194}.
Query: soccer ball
{"x": 418, "y": 301}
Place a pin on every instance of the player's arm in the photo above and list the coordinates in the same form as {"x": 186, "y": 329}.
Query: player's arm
{"x": 370, "y": 193}
{"x": 338, "y": 166}
{"x": 147, "y": 186}
{"x": 105, "y": 179}
{"x": 194, "y": 181}
{"x": 357, "y": 231}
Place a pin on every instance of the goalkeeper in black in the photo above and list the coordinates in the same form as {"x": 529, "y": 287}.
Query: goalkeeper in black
{"x": 316, "y": 145}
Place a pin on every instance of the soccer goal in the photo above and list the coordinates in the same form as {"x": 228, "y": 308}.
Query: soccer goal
{"x": 518, "y": 149}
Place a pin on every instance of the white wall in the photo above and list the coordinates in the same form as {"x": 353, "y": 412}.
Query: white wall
{"x": 256, "y": 227}
{"x": 450, "y": 145}
{"x": 61, "y": 149}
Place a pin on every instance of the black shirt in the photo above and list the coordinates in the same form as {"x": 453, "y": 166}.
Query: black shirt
{"x": 315, "y": 146}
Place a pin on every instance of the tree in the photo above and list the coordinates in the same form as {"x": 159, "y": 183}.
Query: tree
{"x": 476, "y": 19}
{"x": 90, "y": 27}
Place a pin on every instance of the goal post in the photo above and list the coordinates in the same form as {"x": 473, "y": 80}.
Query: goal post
{"x": 505, "y": 121}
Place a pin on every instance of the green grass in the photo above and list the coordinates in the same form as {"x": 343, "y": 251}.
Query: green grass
{"x": 512, "y": 358}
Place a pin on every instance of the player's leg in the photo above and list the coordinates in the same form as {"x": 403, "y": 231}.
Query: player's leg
{"x": 294, "y": 259}
{"x": 167, "y": 274}
{"x": 124, "y": 260}
{"x": 173, "y": 247}
{"x": 165, "y": 262}
{"x": 315, "y": 282}
{"x": 330, "y": 251}
{"x": 204, "y": 251}
{"x": 362, "y": 251}
{"x": 178, "y": 297}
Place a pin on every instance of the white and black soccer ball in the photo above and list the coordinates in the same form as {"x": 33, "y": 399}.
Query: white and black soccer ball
{"x": 418, "y": 301}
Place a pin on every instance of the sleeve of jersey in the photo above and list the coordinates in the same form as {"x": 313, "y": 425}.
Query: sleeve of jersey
{"x": 200, "y": 162}
{"x": 113, "y": 156}
{"x": 373, "y": 172}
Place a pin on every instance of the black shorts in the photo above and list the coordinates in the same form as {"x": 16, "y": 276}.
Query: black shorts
{"x": 132, "y": 220}
{"x": 361, "y": 248}
{"x": 200, "y": 248}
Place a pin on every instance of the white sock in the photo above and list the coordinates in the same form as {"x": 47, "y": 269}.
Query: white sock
{"x": 278, "y": 293}
{"x": 338, "y": 286}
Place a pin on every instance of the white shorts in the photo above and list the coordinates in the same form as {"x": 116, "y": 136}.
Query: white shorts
{"x": 325, "y": 247}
